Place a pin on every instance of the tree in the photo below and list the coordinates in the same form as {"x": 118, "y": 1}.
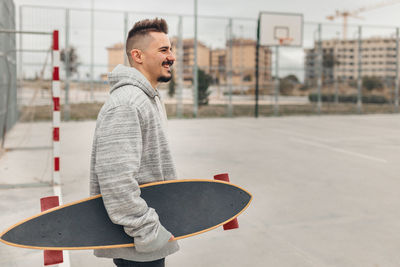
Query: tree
{"x": 247, "y": 78}
{"x": 286, "y": 84}
{"x": 204, "y": 82}
{"x": 372, "y": 82}
{"x": 171, "y": 85}
{"x": 73, "y": 60}
{"x": 329, "y": 61}
{"x": 293, "y": 78}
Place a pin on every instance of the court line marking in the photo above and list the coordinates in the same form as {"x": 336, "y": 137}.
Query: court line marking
{"x": 291, "y": 134}
{"x": 339, "y": 150}
{"x": 25, "y": 185}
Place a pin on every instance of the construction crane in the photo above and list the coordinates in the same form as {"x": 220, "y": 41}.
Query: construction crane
{"x": 345, "y": 14}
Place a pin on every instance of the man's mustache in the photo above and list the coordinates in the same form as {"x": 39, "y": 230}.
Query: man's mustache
{"x": 168, "y": 62}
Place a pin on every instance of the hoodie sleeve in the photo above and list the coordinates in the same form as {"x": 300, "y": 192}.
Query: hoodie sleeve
{"x": 119, "y": 148}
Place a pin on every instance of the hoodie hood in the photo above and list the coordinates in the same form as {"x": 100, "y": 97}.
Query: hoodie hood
{"x": 123, "y": 75}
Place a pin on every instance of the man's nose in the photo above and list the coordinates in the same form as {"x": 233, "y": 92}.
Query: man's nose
{"x": 171, "y": 57}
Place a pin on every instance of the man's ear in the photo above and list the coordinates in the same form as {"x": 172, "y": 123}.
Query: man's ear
{"x": 137, "y": 56}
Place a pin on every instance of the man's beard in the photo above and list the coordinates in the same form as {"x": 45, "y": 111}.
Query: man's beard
{"x": 164, "y": 79}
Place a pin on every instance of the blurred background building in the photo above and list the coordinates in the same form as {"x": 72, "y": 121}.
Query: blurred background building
{"x": 116, "y": 55}
{"x": 340, "y": 59}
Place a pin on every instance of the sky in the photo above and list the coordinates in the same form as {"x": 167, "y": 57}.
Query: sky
{"x": 313, "y": 10}
{"x": 213, "y": 32}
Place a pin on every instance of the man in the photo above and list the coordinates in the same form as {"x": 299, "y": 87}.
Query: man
{"x": 130, "y": 146}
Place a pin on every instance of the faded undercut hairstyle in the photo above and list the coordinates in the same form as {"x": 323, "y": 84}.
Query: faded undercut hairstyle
{"x": 140, "y": 30}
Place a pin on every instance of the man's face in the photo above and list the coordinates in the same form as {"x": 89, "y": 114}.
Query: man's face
{"x": 158, "y": 57}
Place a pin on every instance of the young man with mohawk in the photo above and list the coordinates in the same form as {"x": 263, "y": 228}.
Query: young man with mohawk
{"x": 130, "y": 146}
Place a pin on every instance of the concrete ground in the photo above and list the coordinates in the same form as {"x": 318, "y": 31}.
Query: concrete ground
{"x": 325, "y": 188}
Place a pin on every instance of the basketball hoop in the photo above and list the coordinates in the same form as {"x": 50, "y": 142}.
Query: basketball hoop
{"x": 281, "y": 29}
{"x": 285, "y": 41}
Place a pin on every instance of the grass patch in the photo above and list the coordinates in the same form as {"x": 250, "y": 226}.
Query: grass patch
{"x": 89, "y": 111}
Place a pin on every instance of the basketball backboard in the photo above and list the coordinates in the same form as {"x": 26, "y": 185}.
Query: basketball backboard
{"x": 281, "y": 29}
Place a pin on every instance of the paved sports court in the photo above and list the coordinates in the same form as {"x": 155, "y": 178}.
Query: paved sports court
{"x": 326, "y": 188}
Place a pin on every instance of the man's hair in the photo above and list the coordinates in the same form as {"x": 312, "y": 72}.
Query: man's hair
{"x": 141, "y": 29}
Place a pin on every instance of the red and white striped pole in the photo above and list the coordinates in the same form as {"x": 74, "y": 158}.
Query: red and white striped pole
{"x": 56, "y": 109}
{"x": 52, "y": 257}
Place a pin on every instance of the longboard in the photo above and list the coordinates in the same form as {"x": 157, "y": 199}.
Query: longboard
{"x": 185, "y": 208}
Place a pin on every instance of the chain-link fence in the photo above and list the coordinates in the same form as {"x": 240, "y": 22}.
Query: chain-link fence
{"x": 8, "y": 92}
{"x": 329, "y": 74}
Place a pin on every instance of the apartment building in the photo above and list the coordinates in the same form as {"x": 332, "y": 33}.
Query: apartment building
{"x": 203, "y": 58}
{"x": 341, "y": 61}
{"x": 243, "y": 63}
{"x": 218, "y": 65}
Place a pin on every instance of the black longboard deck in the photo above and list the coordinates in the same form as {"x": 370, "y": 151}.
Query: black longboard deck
{"x": 185, "y": 208}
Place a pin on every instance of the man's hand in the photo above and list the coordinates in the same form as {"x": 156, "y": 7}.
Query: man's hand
{"x": 172, "y": 238}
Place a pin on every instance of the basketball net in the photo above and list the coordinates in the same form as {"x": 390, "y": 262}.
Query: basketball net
{"x": 285, "y": 40}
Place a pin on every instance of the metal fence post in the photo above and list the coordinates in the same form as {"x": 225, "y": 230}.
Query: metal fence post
{"x": 125, "y": 35}
{"x": 257, "y": 67}
{"x": 195, "y": 67}
{"x": 91, "y": 50}
{"x": 359, "y": 78}
{"x": 276, "y": 91}
{"x": 230, "y": 68}
{"x": 335, "y": 76}
{"x": 320, "y": 70}
{"x": 179, "y": 106}
{"x": 396, "y": 90}
{"x": 67, "y": 52}
{"x": 336, "y": 90}
{"x": 20, "y": 69}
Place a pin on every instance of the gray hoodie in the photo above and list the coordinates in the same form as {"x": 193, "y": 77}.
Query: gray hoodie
{"x": 130, "y": 148}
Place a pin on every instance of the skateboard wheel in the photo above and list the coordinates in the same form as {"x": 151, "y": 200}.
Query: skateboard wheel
{"x": 222, "y": 177}
{"x": 234, "y": 224}
{"x": 47, "y": 203}
{"x": 51, "y": 257}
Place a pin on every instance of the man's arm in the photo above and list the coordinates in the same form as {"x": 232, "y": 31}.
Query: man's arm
{"x": 119, "y": 148}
